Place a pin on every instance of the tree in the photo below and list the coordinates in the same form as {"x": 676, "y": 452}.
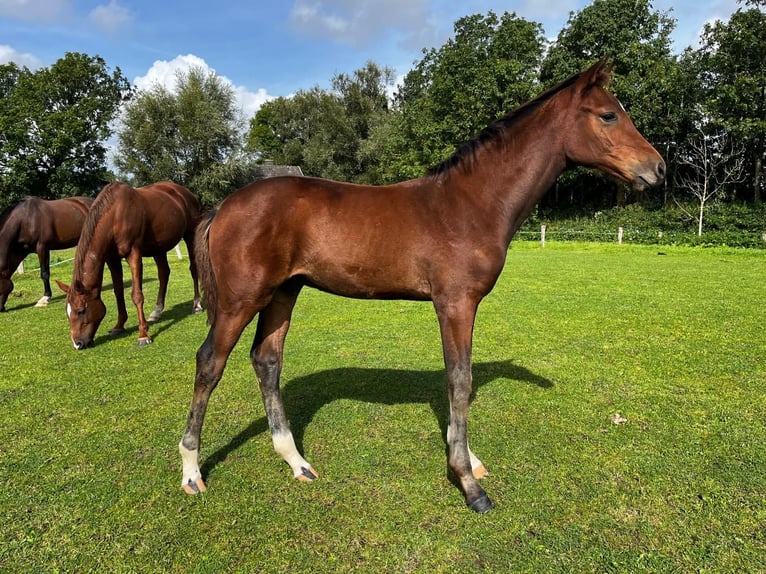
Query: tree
{"x": 332, "y": 134}
{"x": 54, "y": 123}
{"x": 734, "y": 75}
{"x": 711, "y": 164}
{"x": 179, "y": 135}
{"x": 487, "y": 69}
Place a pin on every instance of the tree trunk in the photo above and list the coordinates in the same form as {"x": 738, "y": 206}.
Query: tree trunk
{"x": 758, "y": 176}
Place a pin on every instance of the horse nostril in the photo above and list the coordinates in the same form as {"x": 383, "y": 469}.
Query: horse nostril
{"x": 661, "y": 169}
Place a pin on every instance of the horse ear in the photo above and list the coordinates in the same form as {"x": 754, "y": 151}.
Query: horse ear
{"x": 63, "y": 286}
{"x": 598, "y": 75}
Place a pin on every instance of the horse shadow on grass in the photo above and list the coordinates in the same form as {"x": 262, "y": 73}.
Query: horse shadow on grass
{"x": 304, "y": 396}
{"x": 171, "y": 316}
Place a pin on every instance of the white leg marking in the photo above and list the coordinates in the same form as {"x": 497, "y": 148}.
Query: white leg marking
{"x": 284, "y": 445}
{"x": 192, "y": 477}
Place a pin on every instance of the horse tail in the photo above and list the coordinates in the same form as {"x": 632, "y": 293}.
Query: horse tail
{"x": 204, "y": 266}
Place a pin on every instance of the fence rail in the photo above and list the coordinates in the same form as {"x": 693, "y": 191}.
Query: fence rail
{"x": 754, "y": 239}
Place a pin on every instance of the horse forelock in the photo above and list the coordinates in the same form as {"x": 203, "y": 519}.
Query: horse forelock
{"x": 495, "y": 134}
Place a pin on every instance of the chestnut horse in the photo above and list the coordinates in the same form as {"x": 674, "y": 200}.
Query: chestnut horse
{"x": 442, "y": 238}
{"x": 34, "y": 225}
{"x": 130, "y": 223}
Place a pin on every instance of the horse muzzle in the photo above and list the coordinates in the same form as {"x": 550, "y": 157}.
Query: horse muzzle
{"x": 652, "y": 174}
{"x": 81, "y": 344}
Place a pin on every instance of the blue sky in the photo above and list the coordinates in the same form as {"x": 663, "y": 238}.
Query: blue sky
{"x": 272, "y": 48}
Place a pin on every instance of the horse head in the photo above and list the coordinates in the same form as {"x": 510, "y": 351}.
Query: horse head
{"x": 85, "y": 311}
{"x": 603, "y": 136}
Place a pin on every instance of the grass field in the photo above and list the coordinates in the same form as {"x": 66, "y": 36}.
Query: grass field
{"x": 572, "y": 335}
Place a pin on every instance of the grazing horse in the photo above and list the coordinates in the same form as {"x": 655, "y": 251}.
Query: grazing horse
{"x": 442, "y": 238}
{"x": 130, "y": 223}
{"x": 40, "y": 226}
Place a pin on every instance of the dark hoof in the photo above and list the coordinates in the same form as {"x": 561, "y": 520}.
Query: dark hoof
{"x": 481, "y": 505}
{"x": 307, "y": 474}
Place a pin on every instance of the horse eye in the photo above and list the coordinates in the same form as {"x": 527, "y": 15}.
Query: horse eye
{"x": 609, "y": 117}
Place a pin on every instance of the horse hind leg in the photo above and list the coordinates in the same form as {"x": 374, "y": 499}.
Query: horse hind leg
{"x": 211, "y": 360}
{"x": 266, "y": 355}
{"x": 163, "y": 276}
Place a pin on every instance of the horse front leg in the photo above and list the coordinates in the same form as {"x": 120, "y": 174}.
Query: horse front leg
{"x": 267, "y": 358}
{"x": 137, "y": 294}
{"x": 118, "y": 286}
{"x": 163, "y": 275}
{"x": 44, "y": 257}
{"x": 456, "y": 321}
{"x": 211, "y": 360}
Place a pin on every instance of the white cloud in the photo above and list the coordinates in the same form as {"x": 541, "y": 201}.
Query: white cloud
{"x": 111, "y": 18}
{"x": 358, "y": 22}
{"x": 164, "y": 73}
{"x": 45, "y": 11}
{"x": 8, "y": 54}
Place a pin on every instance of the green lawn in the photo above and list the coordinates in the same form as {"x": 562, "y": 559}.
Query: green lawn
{"x": 672, "y": 340}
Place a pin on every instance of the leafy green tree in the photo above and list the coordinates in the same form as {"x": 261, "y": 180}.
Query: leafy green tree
{"x": 179, "y": 135}
{"x": 489, "y": 67}
{"x": 733, "y": 58}
{"x": 332, "y": 134}
{"x": 54, "y": 123}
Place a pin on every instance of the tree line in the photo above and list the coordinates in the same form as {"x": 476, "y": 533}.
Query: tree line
{"x": 703, "y": 106}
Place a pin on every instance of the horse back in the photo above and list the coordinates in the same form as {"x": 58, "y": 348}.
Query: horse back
{"x": 170, "y": 211}
{"x": 61, "y": 221}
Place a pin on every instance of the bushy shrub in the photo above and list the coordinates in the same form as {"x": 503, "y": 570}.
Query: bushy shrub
{"x": 734, "y": 225}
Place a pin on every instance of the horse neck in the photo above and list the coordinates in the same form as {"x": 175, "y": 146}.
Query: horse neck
{"x": 92, "y": 252}
{"x": 9, "y": 231}
{"x": 518, "y": 172}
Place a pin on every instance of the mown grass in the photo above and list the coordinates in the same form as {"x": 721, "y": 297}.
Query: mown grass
{"x": 573, "y": 334}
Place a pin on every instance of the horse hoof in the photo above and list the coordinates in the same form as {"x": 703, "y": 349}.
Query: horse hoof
{"x": 197, "y": 309}
{"x": 194, "y": 487}
{"x": 43, "y": 302}
{"x": 116, "y": 332}
{"x": 143, "y": 341}
{"x": 307, "y": 474}
{"x": 481, "y": 505}
{"x": 154, "y": 318}
{"x": 480, "y": 472}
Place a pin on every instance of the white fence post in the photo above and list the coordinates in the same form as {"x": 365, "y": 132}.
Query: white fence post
{"x": 542, "y": 236}
{"x": 619, "y": 235}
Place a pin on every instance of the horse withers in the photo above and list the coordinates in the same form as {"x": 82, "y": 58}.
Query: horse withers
{"x": 34, "y": 225}
{"x": 130, "y": 223}
{"x": 441, "y": 238}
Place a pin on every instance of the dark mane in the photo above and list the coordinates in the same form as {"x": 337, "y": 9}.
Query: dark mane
{"x": 493, "y": 134}
{"x": 103, "y": 203}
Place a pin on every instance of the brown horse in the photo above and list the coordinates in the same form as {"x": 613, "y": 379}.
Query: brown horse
{"x": 34, "y": 225}
{"x": 442, "y": 238}
{"x": 129, "y": 223}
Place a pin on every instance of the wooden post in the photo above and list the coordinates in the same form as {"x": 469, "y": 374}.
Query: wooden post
{"x": 619, "y": 235}
{"x": 542, "y": 236}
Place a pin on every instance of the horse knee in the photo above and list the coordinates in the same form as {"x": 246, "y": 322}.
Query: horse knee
{"x": 266, "y": 365}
